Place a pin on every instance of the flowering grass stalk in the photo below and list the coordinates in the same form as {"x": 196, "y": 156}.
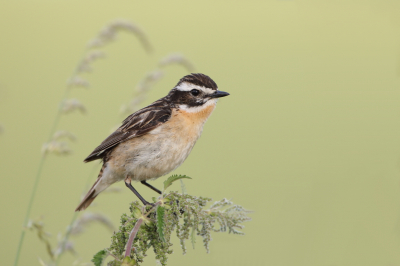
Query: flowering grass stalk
{"x": 37, "y": 180}
{"x": 52, "y": 145}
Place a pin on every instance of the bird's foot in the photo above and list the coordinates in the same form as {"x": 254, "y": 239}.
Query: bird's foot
{"x": 149, "y": 204}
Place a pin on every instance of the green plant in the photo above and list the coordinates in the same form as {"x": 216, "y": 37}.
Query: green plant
{"x": 148, "y": 227}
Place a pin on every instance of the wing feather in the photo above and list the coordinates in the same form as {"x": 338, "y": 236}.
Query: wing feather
{"x": 135, "y": 125}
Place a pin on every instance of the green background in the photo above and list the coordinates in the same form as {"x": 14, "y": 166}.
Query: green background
{"x": 309, "y": 138}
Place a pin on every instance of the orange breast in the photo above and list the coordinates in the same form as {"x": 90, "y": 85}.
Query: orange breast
{"x": 190, "y": 124}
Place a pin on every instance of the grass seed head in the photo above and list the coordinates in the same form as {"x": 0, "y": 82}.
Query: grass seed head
{"x": 109, "y": 33}
{"x": 71, "y": 105}
{"x": 179, "y": 59}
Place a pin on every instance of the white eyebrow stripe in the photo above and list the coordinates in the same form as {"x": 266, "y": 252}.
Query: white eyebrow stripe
{"x": 185, "y": 86}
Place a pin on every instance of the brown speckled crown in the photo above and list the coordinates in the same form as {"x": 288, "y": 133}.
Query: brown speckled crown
{"x": 200, "y": 80}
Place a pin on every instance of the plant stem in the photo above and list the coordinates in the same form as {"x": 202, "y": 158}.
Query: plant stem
{"x": 38, "y": 175}
{"x": 136, "y": 229}
{"x": 132, "y": 237}
{"x": 21, "y": 239}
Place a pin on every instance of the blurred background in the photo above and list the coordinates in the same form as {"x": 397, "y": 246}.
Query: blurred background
{"x": 309, "y": 138}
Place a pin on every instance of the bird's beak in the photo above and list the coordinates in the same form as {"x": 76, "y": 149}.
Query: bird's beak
{"x": 219, "y": 94}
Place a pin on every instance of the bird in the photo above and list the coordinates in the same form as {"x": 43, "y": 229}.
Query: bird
{"x": 156, "y": 139}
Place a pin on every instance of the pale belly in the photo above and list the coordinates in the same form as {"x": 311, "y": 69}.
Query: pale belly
{"x": 155, "y": 154}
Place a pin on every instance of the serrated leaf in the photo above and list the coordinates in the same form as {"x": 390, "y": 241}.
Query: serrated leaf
{"x": 172, "y": 179}
{"x": 99, "y": 257}
{"x": 160, "y": 222}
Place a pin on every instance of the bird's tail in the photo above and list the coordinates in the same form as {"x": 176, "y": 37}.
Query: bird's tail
{"x": 92, "y": 193}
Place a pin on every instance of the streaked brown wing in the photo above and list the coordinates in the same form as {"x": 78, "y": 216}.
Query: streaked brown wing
{"x": 135, "y": 125}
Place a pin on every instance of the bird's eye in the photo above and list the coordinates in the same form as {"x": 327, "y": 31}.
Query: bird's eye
{"x": 195, "y": 92}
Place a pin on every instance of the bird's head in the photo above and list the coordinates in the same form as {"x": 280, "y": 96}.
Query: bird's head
{"x": 195, "y": 92}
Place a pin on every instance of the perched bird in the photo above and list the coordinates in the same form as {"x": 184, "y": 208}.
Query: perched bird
{"x": 156, "y": 139}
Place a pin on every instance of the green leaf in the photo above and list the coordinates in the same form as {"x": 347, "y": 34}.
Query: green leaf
{"x": 99, "y": 257}
{"x": 160, "y": 222}
{"x": 136, "y": 212}
{"x": 128, "y": 262}
{"x": 172, "y": 179}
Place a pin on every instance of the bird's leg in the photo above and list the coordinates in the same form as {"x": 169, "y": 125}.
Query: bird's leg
{"x": 129, "y": 185}
{"x": 150, "y": 186}
{"x": 159, "y": 192}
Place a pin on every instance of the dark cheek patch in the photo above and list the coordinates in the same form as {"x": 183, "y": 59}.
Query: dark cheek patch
{"x": 185, "y": 97}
